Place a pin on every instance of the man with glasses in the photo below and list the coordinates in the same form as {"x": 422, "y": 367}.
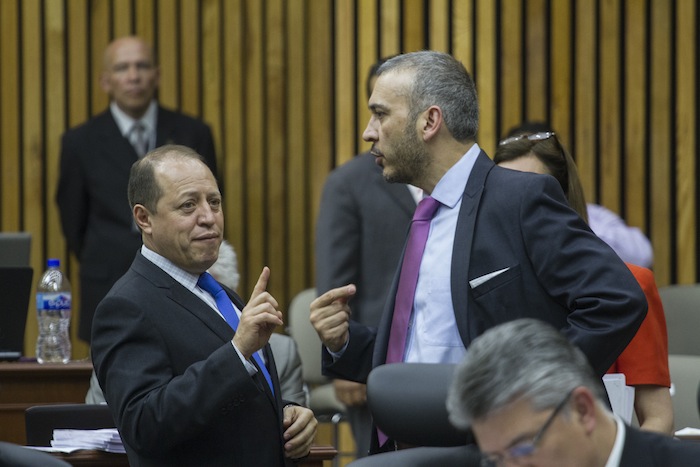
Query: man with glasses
{"x": 531, "y": 398}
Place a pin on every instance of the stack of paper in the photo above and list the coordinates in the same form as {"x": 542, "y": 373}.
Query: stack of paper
{"x": 621, "y": 396}
{"x": 106, "y": 439}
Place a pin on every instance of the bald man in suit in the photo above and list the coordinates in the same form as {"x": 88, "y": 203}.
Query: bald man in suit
{"x": 94, "y": 169}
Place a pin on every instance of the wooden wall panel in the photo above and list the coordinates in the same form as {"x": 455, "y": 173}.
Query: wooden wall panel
{"x": 686, "y": 175}
{"x": 282, "y": 85}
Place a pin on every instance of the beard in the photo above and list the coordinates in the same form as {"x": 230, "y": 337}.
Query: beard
{"x": 409, "y": 161}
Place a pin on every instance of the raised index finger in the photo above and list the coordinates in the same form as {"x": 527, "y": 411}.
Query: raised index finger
{"x": 340, "y": 293}
{"x": 261, "y": 285}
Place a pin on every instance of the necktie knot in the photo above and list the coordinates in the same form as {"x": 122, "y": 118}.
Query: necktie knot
{"x": 137, "y": 136}
{"x": 426, "y": 209}
{"x": 207, "y": 283}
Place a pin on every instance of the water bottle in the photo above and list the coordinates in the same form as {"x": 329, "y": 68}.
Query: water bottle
{"x": 53, "y": 308}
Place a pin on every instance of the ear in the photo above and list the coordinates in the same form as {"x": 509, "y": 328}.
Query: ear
{"x": 142, "y": 218}
{"x": 432, "y": 122}
{"x": 584, "y": 408}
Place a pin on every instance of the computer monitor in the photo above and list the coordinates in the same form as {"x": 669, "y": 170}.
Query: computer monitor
{"x": 15, "y": 288}
{"x": 14, "y": 249}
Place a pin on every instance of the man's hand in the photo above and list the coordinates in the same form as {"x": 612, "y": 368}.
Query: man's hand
{"x": 330, "y": 315}
{"x": 350, "y": 393}
{"x": 259, "y": 318}
{"x": 299, "y": 431}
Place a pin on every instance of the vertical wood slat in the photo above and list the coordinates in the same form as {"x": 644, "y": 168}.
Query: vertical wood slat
{"x": 561, "y": 66}
{"x": 609, "y": 127}
{"x": 167, "y": 55}
{"x": 190, "y": 54}
{"x": 212, "y": 111}
{"x": 300, "y": 272}
{"x": 275, "y": 151}
{"x": 390, "y": 26}
{"x": 586, "y": 69}
{"x": 635, "y": 111}
{"x": 439, "y": 27}
{"x": 10, "y": 153}
{"x": 345, "y": 88}
{"x": 536, "y": 64}
{"x": 413, "y": 34}
{"x": 511, "y": 67}
{"x": 99, "y": 31}
{"x": 485, "y": 74}
{"x": 660, "y": 139}
{"x": 232, "y": 169}
{"x": 32, "y": 142}
{"x": 686, "y": 176}
{"x": 254, "y": 121}
{"x": 122, "y": 16}
{"x": 367, "y": 45}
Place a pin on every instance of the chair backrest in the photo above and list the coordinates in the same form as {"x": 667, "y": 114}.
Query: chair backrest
{"x": 685, "y": 377}
{"x": 305, "y": 335}
{"x": 41, "y": 420}
{"x": 407, "y": 401}
{"x": 682, "y": 308}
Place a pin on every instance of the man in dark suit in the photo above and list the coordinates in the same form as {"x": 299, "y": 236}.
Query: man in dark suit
{"x": 501, "y": 245}
{"x": 94, "y": 168}
{"x": 530, "y": 397}
{"x": 183, "y": 387}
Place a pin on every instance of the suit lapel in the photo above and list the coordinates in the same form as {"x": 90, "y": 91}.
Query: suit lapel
{"x": 464, "y": 236}
{"x": 165, "y": 127}
{"x": 114, "y": 146}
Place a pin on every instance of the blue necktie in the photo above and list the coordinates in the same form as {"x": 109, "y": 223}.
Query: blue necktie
{"x": 207, "y": 283}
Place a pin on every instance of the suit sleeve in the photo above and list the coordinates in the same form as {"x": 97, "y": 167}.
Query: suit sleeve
{"x": 71, "y": 194}
{"x": 156, "y": 411}
{"x": 606, "y": 305}
{"x": 337, "y": 236}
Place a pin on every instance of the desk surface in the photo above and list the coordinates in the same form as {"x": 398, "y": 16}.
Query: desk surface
{"x": 24, "y": 384}
{"x": 106, "y": 459}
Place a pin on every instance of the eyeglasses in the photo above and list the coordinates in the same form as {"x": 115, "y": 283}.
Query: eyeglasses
{"x": 531, "y": 137}
{"x": 526, "y": 448}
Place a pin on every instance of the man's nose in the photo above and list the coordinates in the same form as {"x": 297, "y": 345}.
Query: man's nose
{"x": 370, "y": 133}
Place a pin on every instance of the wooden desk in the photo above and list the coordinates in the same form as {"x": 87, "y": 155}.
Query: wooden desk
{"x": 23, "y": 385}
{"x": 106, "y": 459}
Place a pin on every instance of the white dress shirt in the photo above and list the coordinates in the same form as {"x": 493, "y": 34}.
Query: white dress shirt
{"x": 149, "y": 121}
{"x": 433, "y": 336}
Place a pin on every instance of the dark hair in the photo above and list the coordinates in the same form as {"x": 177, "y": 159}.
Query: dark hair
{"x": 440, "y": 79}
{"x": 143, "y": 186}
{"x": 552, "y": 154}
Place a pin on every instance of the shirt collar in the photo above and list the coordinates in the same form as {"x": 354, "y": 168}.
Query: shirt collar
{"x": 450, "y": 188}
{"x": 616, "y": 453}
{"x": 187, "y": 279}
{"x": 125, "y": 122}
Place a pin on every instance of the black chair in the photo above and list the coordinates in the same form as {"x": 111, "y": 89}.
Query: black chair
{"x": 41, "y": 420}
{"x": 407, "y": 402}
{"x": 12, "y": 455}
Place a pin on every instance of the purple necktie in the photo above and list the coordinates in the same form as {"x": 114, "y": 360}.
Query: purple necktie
{"x": 207, "y": 283}
{"x": 420, "y": 227}
{"x": 406, "y": 291}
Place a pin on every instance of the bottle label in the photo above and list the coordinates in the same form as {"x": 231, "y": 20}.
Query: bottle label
{"x": 53, "y": 301}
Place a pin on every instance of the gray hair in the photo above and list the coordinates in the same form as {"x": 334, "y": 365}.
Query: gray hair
{"x": 439, "y": 79}
{"x": 225, "y": 270}
{"x": 524, "y": 358}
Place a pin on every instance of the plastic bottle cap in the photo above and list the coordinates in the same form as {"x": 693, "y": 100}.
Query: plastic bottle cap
{"x": 53, "y": 262}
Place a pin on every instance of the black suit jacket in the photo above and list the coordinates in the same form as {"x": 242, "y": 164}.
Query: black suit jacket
{"x": 645, "y": 449}
{"x": 92, "y": 197}
{"x": 554, "y": 269}
{"x": 177, "y": 389}
{"x": 360, "y": 232}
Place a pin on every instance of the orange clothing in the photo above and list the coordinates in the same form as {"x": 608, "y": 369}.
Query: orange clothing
{"x": 645, "y": 359}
